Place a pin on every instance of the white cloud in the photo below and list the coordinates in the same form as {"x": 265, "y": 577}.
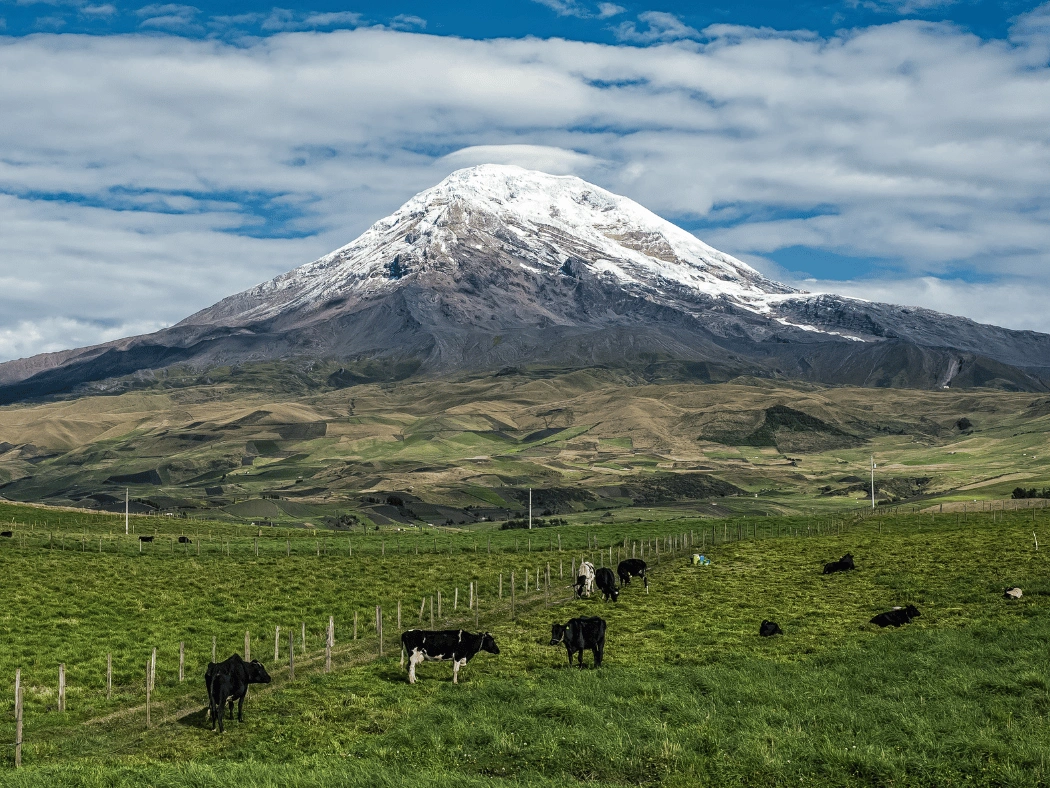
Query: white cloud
{"x": 607, "y": 10}
{"x": 659, "y": 27}
{"x": 168, "y": 16}
{"x": 556, "y": 161}
{"x": 162, "y": 159}
{"x": 98, "y": 11}
{"x": 902, "y": 7}
{"x": 565, "y": 7}
{"x": 286, "y": 19}
{"x": 408, "y": 22}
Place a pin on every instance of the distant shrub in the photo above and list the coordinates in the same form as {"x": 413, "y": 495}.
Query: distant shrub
{"x": 537, "y": 523}
{"x": 1031, "y": 492}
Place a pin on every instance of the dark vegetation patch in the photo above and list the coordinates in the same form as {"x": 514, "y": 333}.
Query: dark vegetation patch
{"x": 553, "y": 500}
{"x": 152, "y": 476}
{"x": 537, "y": 522}
{"x": 669, "y": 487}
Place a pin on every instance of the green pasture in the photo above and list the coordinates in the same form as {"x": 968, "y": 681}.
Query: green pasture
{"x": 688, "y": 695}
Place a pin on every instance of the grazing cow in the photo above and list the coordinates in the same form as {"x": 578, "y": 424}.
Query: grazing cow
{"x": 228, "y": 681}
{"x": 632, "y": 567}
{"x": 145, "y": 538}
{"x": 844, "y": 564}
{"x": 580, "y": 634}
{"x": 1010, "y": 593}
{"x": 769, "y": 628}
{"x": 6, "y": 534}
{"x": 185, "y": 540}
{"x": 584, "y": 580}
{"x": 896, "y": 617}
{"x": 442, "y": 645}
{"x": 606, "y": 582}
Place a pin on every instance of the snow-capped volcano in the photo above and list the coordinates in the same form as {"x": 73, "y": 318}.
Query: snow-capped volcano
{"x": 498, "y": 266}
{"x": 539, "y": 223}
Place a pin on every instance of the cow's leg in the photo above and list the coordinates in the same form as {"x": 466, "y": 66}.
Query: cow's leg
{"x": 402, "y": 656}
{"x": 456, "y": 665}
{"x": 413, "y": 659}
{"x": 599, "y": 652}
{"x": 240, "y": 707}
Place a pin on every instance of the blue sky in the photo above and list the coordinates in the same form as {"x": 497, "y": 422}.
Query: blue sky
{"x": 578, "y": 20}
{"x": 155, "y": 157}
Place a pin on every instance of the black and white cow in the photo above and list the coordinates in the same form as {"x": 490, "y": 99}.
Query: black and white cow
{"x": 580, "y": 634}
{"x": 228, "y": 681}
{"x": 145, "y": 538}
{"x": 896, "y": 617}
{"x": 584, "y": 580}
{"x": 632, "y": 567}
{"x": 456, "y": 645}
{"x": 185, "y": 540}
{"x": 768, "y": 629}
{"x": 844, "y": 564}
{"x": 606, "y": 582}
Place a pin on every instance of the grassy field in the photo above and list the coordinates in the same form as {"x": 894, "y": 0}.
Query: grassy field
{"x": 688, "y": 695}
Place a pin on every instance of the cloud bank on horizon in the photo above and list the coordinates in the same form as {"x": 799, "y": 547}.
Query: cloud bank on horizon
{"x": 145, "y": 175}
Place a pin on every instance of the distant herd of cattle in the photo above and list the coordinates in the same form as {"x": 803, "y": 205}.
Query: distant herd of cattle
{"x": 228, "y": 681}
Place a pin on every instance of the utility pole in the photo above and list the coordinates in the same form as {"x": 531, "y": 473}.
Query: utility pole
{"x": 127, "y": 508}
{"x": 530, "y": 508}
{"x": 873, "y": 482}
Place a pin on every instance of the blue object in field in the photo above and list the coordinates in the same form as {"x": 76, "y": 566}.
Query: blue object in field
{"x": 700, "y": 560}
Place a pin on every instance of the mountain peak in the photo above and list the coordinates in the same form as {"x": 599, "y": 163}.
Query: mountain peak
{"x": 531, "y": 221}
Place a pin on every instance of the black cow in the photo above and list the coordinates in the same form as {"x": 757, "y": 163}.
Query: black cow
{"x": 632, "y": 567}
{"x": 441, "y": 645}
{"x": 896, "y": 617}
{"x": 769, "y": 628}
{"x": 145, "y": 538}
{"x": 7, "y": 534}
{"x": 844, "y": 564}
{"x": 228, "y": 681}
{"x": 579, "y": 634}
{"x": 606, "y": 582}
{"x": 185, "y": 540}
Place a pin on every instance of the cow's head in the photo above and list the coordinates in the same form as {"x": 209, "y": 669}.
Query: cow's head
{"x": 912, "y": 611}
{"x": 488, "y": 643}
{"x": 256, "y": 672}
{"x": 557, "y": 633}
{"x": 615, "y": 594}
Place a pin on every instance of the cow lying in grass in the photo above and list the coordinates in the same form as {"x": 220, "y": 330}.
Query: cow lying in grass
{"x": 769, "y": 628}
{"x": 896, "y": 617}
{"x": 580, "y": 634}
{"x": 228, "y": 681}
{"x": 844, "y": 564}
{"x": 443, "y": 645}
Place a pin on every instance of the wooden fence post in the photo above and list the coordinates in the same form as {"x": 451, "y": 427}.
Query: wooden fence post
{"x": 213, "y": 644}
{"x": 455, "y": 600}
{"x": 247, "y": 646}
{"x": 501, "y": 585}
{"x": 18, "y": 718}
{"x": 303, "y": 641}
{"x": 109, "y": 676}
{"x": 355, "y": 625}
{"x": 379, "y": 628}
{"x": 329, "y": 642}
{"x": 439, "y": 604}
{"x": 276, "y": 644}
{"x": 62, "y": 686}
{"x": 512, "y": 595}
{"x": 422, "y": 607}
{"x": 148, "y": 690}
{"x": 291, "y": 656}
{"x": 399, "y": 615}
{"x": 182, "y": 660}
{"x": 153, "y": 669}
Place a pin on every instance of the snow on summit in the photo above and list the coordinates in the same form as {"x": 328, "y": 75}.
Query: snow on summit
{"x": 544, "y": 224}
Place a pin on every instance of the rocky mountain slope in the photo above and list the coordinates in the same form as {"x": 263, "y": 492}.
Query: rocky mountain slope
{"x": 500, "y": 267}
